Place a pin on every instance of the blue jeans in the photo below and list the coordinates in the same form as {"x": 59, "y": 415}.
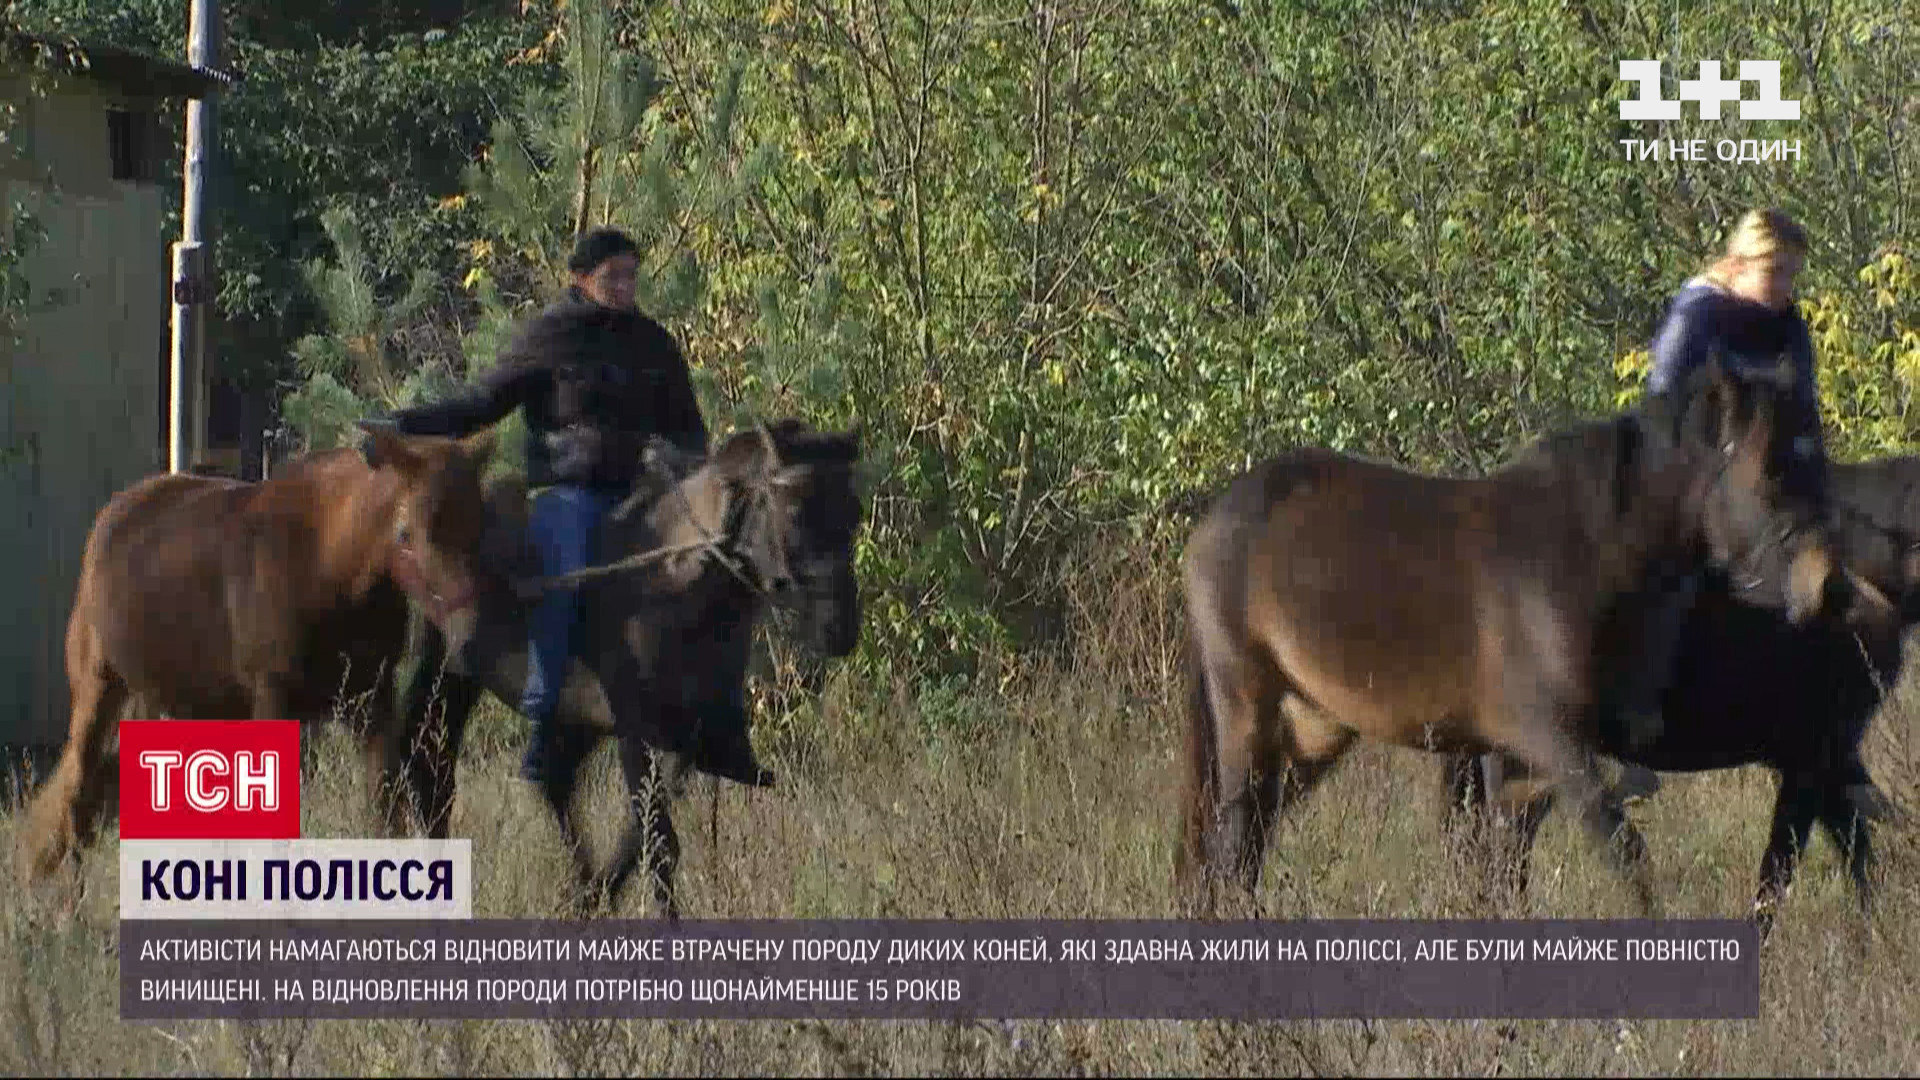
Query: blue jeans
{"x": 564, "y": 524}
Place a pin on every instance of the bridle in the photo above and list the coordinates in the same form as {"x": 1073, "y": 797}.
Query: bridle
{"x": 1742, "y": 576}
{"x": 406, "y": 567}
{"x": 727, "y": 547}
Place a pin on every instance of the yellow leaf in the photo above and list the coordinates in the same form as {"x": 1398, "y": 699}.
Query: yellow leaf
{"x": 473, "y": 278}
{"x": 453, "y": 202}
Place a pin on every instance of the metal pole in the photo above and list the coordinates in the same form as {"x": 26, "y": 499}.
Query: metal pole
{"x": 191, "y": 292}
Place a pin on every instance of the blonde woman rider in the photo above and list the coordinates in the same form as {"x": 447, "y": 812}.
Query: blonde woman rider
{"x": 1742, "y": 306}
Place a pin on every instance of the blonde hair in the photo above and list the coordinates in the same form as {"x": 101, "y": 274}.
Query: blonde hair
{"x": 1758, "y": 234}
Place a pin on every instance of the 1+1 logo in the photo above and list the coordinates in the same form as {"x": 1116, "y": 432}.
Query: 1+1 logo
{"x": 1710, "y": 90}
{"x": 1712, "y": 93}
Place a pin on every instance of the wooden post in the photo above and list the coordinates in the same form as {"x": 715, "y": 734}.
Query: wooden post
{"x": 192, "y": 293}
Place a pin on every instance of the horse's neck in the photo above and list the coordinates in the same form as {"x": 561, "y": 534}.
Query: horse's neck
{"x": 353, "y": 514}
{"x": 1887, "y": 490}
{"x": 1600, "y": 480}
{"x": 690, "y": 511}
{"x": 693, "y": 513}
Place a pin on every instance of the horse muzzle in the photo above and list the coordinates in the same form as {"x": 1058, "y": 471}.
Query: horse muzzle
{"x": 441, "y": 602}
{"x": 451, "y": 605}
{"x": 1812, "y": 577}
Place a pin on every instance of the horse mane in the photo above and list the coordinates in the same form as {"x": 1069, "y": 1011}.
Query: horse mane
{"x": 794, "y": 440}
{"x": 1656, "y": 425}
{"x": 1884, "y": 491}
{"x": 312, "y": 466}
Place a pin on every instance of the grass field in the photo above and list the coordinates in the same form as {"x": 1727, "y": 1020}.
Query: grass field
{"x": 1050, "y": 794}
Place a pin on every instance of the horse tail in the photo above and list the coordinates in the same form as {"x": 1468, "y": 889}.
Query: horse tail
{"x": 1202, "y": 760}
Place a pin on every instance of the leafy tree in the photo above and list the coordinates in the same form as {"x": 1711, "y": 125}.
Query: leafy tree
{"x": 1069, "y": 265}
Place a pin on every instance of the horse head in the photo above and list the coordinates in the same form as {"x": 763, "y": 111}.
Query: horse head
{"x": 1751, "y": 503}
{"x": 437, "y": 521}
{"x": 780, "y": 505}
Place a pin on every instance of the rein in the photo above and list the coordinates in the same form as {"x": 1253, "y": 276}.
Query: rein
{"x": 720, "y": 548}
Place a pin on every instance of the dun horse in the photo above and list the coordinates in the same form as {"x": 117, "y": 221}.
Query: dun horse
{"x": 217, "y": 599}
{"x": 1750, "y": 687}
{"x": 1330, "y": 598}
{"x": 771, "y": 515}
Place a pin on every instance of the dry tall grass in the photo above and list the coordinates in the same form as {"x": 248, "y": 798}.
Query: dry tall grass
{"x": 1052, "y": 796}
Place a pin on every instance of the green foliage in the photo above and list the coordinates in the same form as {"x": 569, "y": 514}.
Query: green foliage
{"x": 322, "y": 412}
{"x": 375, "y": 109}
{"x": 360, "y": 325}
{"x": 20, "y": 228}
{"x": 1065, "y": 266}
{"x": 1088, "y": 261}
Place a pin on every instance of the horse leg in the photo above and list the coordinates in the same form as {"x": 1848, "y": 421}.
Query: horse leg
{"x": 1794, "y": 809}
{"x": 1464, "y": 792}
{"x": 63, "y": 816}
{"x": 268, "y": 696}
{"x": 1541, "y": 742}
{"x": 1847, "y": 813}
{"x": 384, "y": 745}
{"x": 1235, "y": 692}
{"x": 567, "y": 751}
{"x": 1304, "y": 750}
{"x": 1518, "y": 804}
{"x": 434, "y": 730}
{"x": 653, "y": 779}
{"x": 1851, "y": 833}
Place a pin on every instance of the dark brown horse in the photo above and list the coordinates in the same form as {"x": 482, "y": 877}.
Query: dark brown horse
{"x": 770, "y": 517}
{"x": 1330, "y": 598}
{"x": 214, "y": 599}
{"x": 1750, "y": 687}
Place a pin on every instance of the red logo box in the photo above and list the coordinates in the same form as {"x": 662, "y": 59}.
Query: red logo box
{"x": 209, "y": 780}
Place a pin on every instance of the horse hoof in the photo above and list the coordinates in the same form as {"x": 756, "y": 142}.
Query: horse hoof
{"x": 1763, "y": 914}
{"x": 38, "y": 857}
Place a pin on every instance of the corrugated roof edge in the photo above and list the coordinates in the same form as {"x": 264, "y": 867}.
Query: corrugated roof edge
{"x": 134, "y": 71}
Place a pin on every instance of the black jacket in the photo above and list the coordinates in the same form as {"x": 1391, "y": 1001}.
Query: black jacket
{"x": 596, "y": 383}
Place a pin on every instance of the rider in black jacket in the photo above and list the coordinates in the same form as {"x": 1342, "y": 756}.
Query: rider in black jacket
{"x": 597, "y": 379}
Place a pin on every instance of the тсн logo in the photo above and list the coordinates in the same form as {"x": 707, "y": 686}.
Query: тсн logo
{"x": 209, "y": 780}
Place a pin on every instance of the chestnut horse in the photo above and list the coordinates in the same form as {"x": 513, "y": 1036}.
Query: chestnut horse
{"x": 1750, "y": 687}
{"x": 208, "y": 598}
{"x": 1330, "y": 598}
{"x": 769, "y": 518}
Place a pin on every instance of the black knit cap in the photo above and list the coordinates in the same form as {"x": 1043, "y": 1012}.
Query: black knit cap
{"x": 597, "y": 246}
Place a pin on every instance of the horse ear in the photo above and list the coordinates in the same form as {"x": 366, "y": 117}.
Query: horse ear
{"x": 479, "y": 446}
{"x": 1867, "y": 606}
{"x": 386, "y": 448}
{"x": 836, "y": 447}
{"x": 666, "y": 461}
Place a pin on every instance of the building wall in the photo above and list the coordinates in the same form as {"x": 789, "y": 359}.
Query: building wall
{"x": 78, "y": 421}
